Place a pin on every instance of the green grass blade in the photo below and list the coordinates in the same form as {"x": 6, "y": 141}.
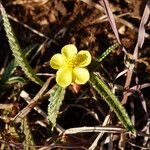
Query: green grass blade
{"x": 112, "y": 101}
{"x": 28, "y": 49}
{"x": 57, "y": 96}
{"x": 15, "y": 79}
{"x": 8, "y": 71}
{"x": 16, "y": 50}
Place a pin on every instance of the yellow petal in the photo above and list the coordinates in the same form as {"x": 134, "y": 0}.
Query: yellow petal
{"x": 80, "y": 75}
{"x": 64, "y": 77}
{"x": 69, "y": 51}
{"x": 57, "y": 61}
{"x": 83, "y": 58}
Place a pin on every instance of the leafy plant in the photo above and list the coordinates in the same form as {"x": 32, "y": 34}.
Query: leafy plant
{"x": 7, "y": 77}
{"x": 58, "y": 95}
{"x": 56, "y": 98}
{"x": 112, "y": 101}
{"x": 16, "y": 49}
{"x": 108, "y": 95}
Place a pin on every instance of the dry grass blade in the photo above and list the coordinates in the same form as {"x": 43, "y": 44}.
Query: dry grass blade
{"x": 32, "y": 104}
{"x": 138, "y": 88}
{"x": 112, "y": 22}
{"x": 127, "y": 85}
{"x": 39, "y": 49}
{"x": 140, "y": 41}
{"x": 143, "y": 102}
{"x": 141, "y": 33}
{"x": 28, "y": 27}
{"x": 95, "y": 129}
{"x": 147, "y": 128}
{"x": 95, "y": 143}
{"x": 121, "y": 20}
{"x": 28, "y": 99}
{"x": 102, "y": 129}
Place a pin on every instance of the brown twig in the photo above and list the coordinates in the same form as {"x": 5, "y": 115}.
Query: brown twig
{"x": 32, "y": 104}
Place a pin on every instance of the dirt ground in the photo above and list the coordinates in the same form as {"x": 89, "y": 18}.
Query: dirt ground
{"x": 52, "y": 24}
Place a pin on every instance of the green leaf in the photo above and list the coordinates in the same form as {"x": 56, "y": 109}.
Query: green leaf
{"x": 8, "y": 71}
{"x": 13, "y": 64}
{"x": 112, "y": 101}
{"x": 28, "y": 49}
{"x": 16, "y": 50}
{"x": 15, "y": 79}
{"x": 29, "y": 141}
{"x": 95, "y": 63}
{"x": 57, "y": 96}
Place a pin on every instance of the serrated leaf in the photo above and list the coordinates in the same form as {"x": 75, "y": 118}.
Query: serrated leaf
{"x": 16, "y": 50}
{"x": 97, "y": 61}
{"x": 13, "y": 64}
{"x": 29, "y": 141}
{"x": 57, "y": 96}
{"x": 112, "y": 101}
{"x": 107, "y": 52}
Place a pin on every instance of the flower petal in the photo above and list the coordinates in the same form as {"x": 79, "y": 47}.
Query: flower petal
{"x": 83, "y": 58}
{"x": 80, "y": 75}
{"x": 64, "y": 77}
{"x": 57, "y": 61}
{"x": 69, "y": 51}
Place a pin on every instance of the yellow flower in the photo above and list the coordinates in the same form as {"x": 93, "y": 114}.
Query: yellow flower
{"x": 71, "y": 65}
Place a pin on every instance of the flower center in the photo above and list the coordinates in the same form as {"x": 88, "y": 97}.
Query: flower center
{"x": 71, "y": 63}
